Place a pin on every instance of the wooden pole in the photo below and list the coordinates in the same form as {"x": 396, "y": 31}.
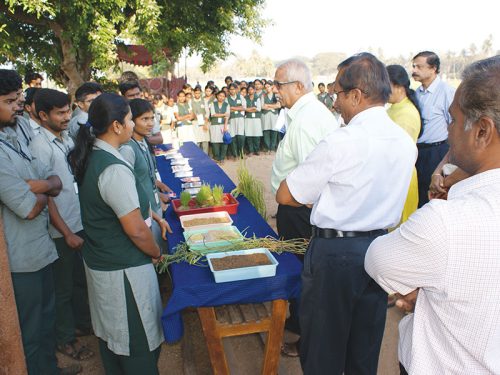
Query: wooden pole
{"x": 12, "y": 360}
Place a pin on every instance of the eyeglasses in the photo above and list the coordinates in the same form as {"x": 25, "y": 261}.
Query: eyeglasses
{"x": 336, "y": 93}
{"x": 278, "y": 84}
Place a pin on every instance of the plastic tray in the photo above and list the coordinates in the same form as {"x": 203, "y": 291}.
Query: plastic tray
{"x": 244, "y": 273}
{"x": 207, "y": 247}
{"x": 219, "y": 214}
{"x": 231, "y": 206}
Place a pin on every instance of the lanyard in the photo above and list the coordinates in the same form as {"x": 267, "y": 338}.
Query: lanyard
{"x": 19, "y": 152}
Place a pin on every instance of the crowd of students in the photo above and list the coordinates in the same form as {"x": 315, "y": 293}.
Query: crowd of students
{"x": 247, "y": 111}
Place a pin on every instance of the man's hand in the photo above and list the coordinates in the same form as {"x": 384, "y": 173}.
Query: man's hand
{"x": 73, "y": 241}
{"x": 437, "y": 188}
{"x": 407, "y": 303}
{"x": 38, "y": 186}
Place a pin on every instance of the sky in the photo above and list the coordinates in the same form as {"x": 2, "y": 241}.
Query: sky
{"x": 404, "y": 27}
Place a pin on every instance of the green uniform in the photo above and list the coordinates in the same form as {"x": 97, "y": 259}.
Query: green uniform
{"x": 253, "y": 124}
{"x": 269, "y": 117}
{"x": 185, "y": 130}
{"x": 202, "y": 135}
{"x": 237, "y": 126}
{"x": 112, "y": 265}
{"x": 219, "y": 148}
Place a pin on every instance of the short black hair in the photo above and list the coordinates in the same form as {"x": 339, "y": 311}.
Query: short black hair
{"x": 10, "y": 81}
{"x": 29, "y": 94}
{"x": 128, "y": 85}
{"x": 86, "y": 89}
{"x": 431, "y": 58}
{"x": 366, "y": 73}
{"x": 32, "y": 76}
{"x": 48, "y": 99}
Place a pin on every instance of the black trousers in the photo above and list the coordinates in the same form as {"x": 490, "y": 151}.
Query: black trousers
{"x": 427, "y": 161}
{"x": 402, "y": 370}
{"x": 294, "y": 222}
{"x": 342, "y": 310}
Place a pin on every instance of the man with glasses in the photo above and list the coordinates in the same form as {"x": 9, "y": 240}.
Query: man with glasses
{"x": 309, "y": 121}
{"x": 84, "y": 95}
{"x": 356, "y": 179}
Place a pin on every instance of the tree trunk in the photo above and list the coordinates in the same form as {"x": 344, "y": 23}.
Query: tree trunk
{"x": 69, "y": 63}
{"x": 11, "y": 349}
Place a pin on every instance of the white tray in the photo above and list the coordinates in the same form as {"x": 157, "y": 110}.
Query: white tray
{"x": 244, "y": 273}
{"x": 185, "y": 218}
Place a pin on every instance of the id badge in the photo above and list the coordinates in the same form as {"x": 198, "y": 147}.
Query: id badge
{"x": 201, "y": 119}
{"x": 243, "y": 113}
{"x": 158, "y": 177}
{"x": 148, "y": 222}
{"x": 220, "y": 120}
{"x": 253, "y": 114}
{"x": 157, "y": 197}
{"x": 75, "y": 186}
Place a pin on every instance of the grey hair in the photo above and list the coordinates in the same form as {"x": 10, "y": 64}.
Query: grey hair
{"x": 480, "y": 92}
{"x": 297, "y": 70}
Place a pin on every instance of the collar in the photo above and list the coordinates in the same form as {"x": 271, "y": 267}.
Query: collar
{"x": 473, "y": 183}
{"x": 102, "y": 145}
{"x": 301, "y": 102}
{"x": 432, "y": 87}
{"x": 367, "y": 114}
{"x": 34, "y": 125}
{"x": 9, "y": 134}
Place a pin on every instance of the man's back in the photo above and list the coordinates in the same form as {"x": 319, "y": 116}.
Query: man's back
{"x": 449, "y": 249}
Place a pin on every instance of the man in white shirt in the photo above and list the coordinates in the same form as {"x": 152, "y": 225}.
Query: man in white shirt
{"x": 446, "y": 255}
{"x": 356, "y": 179}
{"x": 309, "y": 121}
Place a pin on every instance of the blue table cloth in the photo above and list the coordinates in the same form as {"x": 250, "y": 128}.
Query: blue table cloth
{"x": 194, "y": 286}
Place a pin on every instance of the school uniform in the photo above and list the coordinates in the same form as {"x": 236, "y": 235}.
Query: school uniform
{"x": 202, "y": 135}
{"x": 219, "y": 148}
{"x": 253, "y": 124}
{"x": 72, "y": 310}
{"x": 269, "y": 117}
{"x": 30, "y": 249}
{"x": 124, "y": 296}
{"x": 137, "y": 154}
{"x": 185, "y": 128}
{"x": 237, "y": 125}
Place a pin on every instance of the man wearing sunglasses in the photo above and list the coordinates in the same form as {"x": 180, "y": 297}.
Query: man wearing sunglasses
{"x": 309, "y": 121}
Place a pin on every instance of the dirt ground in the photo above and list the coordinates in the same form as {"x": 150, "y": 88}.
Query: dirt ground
{"x": 246, "y": 350}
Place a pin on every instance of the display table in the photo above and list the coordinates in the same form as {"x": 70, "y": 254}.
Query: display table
{"x": 194, "y": 286}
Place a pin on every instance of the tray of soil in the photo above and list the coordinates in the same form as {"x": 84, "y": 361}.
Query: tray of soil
{"x": 242, "y": 265}
{"x": 206, "y": 220}
{"x": 228, "y": 204}
{"x": 208, "y": 240}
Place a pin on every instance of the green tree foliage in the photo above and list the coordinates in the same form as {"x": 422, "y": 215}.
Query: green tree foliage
{"x": 72, "y": 41}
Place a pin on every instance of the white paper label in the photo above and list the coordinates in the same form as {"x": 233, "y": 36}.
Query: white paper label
{"x": 148, "y": 222}
{"x": 220, "y": 120}
{"x": 201, "y": 119}
{"x": 158, "y": 177}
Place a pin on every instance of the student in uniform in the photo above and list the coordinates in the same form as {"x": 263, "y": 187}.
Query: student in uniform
{"x": 124, "y": 297}
{"x": 184, "y": 116}
{"x": 200, "y": 112}
{"x": 52, "y": 146}
{"x": 139, "y": 154}
{"x": 209, "y": 96}
{"x": 236, "y": 121}
{"x": 84, "y": 96}
{"x": 253, "y": 125}
{"x": 257, "y": 83}
{"x": 219, "y": 116}
{"x": 270, "y": 107}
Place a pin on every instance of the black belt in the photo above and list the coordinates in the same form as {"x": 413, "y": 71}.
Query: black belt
{"x": 427, "y": 145}
{"x": 334, "y": 233}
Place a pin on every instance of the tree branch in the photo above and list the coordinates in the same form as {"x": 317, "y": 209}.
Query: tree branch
{"x": 20, "y": 16}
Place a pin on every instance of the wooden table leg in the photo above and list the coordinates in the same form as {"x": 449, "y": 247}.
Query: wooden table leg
{"x": 214, "y": 341}
{"x": 274, "y": 338}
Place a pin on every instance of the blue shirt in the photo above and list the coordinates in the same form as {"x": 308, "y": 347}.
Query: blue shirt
{"x": 434, "y": 104}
